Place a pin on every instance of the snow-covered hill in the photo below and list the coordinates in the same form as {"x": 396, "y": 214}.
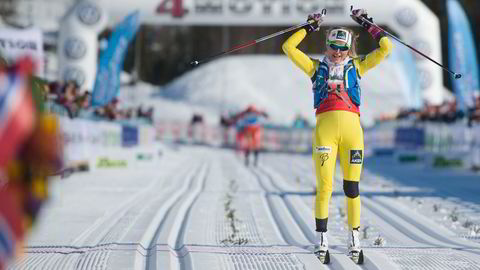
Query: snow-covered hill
{"x": 273, "y": 83}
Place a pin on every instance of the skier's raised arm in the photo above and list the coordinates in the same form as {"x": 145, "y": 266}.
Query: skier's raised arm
{"x": 375, "y": 57}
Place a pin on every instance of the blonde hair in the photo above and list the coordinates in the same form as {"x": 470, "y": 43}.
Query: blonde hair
{"x": 352, "y": 53}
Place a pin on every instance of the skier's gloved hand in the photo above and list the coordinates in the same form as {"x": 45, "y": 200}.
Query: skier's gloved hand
{"x": 361, "y": 17}
{"x": 315, "y": 20}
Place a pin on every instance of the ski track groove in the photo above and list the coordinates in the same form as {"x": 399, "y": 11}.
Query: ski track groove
{"x": 466, "y": 250}
{"x": 21, "y": 264}
{"x": 405, "y": 224}
{"x": 260, "y": 260}
{"x": 107, "y": 228}
{"x": 176, "y": 237}
{"x": 96, "y": 256}
{"x": 372, "y": 260}
{"x": 338, "y": 260}
{"x": 411, "y": 218}
{"x": 284, "y": 232}
{"x": 147, "y": 242}
{"x": 282, "y": 207}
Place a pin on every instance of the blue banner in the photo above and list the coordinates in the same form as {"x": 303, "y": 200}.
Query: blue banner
{"x": 129, "y": 136}
{"x": 409, "y": 137}
{"x": 107, "y": 82}
{"x": 462, "y": 55}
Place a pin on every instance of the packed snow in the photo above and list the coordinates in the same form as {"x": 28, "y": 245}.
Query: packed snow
{"x": 196, "y": 207}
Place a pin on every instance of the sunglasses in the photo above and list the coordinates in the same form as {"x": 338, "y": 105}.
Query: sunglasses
{"x": 336, "y": 47}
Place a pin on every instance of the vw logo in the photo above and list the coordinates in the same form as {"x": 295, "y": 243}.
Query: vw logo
{"x": 89, "y": 13}
{"x": 406, "y": 17}
{"x": 75, "y": 48}
{"x": 74, "y": 74}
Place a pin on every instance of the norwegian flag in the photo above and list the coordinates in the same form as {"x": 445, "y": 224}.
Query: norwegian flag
{"x": 17, "y": 111}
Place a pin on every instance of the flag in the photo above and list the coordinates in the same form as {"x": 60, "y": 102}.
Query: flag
{"x": 107, "y": 82}
{"x": 462, "y": 55}
{"x": 17, "y": 111}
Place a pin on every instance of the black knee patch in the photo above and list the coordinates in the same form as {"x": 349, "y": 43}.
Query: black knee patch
{"x": 321, "y": 224}
{"x": 350, "y": 188}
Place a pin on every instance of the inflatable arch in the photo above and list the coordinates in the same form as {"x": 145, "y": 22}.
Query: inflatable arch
{"x": 410, "y": 19}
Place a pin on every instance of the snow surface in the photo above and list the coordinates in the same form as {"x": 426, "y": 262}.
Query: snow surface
{"x": 201, "y": 208}
{"x": 272, "y": 83}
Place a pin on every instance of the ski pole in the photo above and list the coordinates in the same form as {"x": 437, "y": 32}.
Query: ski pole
{"x": 456, "y": 75}
{"x": 253, "y": 42}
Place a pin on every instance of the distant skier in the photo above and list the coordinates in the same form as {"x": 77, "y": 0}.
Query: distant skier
{"x": 336, "y": 91}
{"x": 249, "y": 131}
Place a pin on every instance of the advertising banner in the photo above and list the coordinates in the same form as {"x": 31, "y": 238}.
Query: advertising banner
{"x": 129, "y": 136}
{"x": 410, "y": 137}
{"x": 107, "y": 83}
{"x": 462, "y": 55}
{"x": 16, "y": 43}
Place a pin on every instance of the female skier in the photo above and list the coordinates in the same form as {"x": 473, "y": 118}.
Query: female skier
{"x": 336, "y": 89}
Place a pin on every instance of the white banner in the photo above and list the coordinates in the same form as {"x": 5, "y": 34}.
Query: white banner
{"x": 84, "y": 139}
{"x": 15, "y": 43}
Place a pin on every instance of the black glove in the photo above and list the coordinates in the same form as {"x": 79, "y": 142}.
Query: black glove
{"x": 315, "y": 20}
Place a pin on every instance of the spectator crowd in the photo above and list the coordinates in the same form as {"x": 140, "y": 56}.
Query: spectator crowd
{"x": 445, "y": 113}
{"x": 77, "y": 103}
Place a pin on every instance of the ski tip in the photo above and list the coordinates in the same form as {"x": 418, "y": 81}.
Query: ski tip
{"x": 324, "y": 257}
{"x": 327, "y": 258}
{"x": 360, "y": 258}
{"x": 357, "y": 257}
{"x": 458, "y": 75}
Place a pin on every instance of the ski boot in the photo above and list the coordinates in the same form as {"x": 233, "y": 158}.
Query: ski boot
{"x": 321, "y": 248}
{"x": 354, "y": 251}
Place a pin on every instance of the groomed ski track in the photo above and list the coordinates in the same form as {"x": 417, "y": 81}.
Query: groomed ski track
{"x": 202, "y": 208}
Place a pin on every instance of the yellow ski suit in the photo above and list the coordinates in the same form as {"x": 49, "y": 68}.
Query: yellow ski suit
{"x": 337, "y": 131}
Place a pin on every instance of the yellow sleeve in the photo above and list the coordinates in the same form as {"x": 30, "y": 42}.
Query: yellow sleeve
{"x": 300, "y": 59}
{"x": 374, "y": 58}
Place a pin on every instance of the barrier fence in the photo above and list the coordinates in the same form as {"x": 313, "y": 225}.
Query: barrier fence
{"x": 86, "y": 140}
{"x": 455, "y": 140}
{"x": 274, "y": 139}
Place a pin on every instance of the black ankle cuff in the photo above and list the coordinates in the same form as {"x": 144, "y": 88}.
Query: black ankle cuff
{"x": 321, "y": 224}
